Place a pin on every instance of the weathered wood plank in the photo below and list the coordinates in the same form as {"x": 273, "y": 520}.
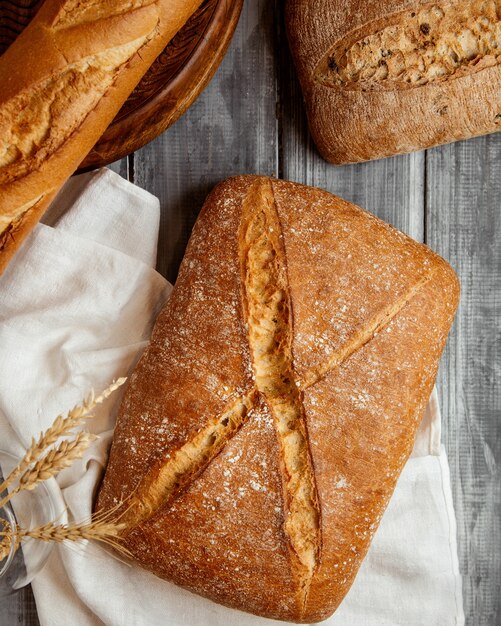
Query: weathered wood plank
{"x": 231, "y": 129}
{"x": 19, "y": 609}
{"x": 122, "y": 167}
{"x": 464, "y": 225}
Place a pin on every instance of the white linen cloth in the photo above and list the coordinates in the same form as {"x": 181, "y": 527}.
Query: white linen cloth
{"x": 77, "y": 305}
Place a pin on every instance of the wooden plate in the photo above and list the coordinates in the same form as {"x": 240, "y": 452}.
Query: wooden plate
{"x": 171, "y": 85}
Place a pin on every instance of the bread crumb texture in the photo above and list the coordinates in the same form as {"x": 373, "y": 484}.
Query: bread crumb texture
{"x": 270, "y": 335}
{"x": 164, "y": 482}
{"x": 429, "y": 44}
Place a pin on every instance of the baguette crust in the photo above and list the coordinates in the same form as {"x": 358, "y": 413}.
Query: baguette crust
{"x": 381, "y": 79}
{"x": 55, "y": 109}
{"x": 328, "y": 325}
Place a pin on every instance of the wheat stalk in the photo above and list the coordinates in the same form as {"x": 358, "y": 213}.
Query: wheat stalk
{"x": 8, "y": 538}
{"x": 104, "y": 531}
{"x": 52, "y": 463}
{"x": 56, "y": 460}
{"x": 60, "y": 427}
{"x": 104, "y": 526}
{"x": 36, "y": 467}
{"x": 4, "y": 549}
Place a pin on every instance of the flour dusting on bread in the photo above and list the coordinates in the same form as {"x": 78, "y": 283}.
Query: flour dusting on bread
{"x": 338, "y": 349}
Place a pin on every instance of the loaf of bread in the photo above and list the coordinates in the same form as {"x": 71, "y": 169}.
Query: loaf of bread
{"x": 264, "y": 429}
{"x": 385, "y": 78}
{"x": 61, "y": 83}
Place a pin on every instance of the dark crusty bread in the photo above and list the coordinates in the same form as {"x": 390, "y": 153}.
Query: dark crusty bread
{"x": 385, "y": 78}
{"x": 61, "y": 83}
{"x": 263, "y": 430}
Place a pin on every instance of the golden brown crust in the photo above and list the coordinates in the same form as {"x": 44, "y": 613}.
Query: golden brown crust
{"x": 385, "y": 78}
{"x": 183, "y": 380}
{"x": 367, "y": 311}
{"x": 373, "y": 418}
{"x": 268, "y": 314}
{"x": 19, "y": 228}
{"x": 54, "y": 110}
{"x": 224, "y": 535}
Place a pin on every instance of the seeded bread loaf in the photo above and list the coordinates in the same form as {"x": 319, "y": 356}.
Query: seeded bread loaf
{"x": 61, "y": 83}
{"x": 264, "y": 428}
{"x": 385, "y": 78}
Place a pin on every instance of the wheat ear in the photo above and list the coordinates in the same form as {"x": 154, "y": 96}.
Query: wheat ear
{"x": 104, "y": 526}
{"x": 98, "y": 530}
{"x": 61, "y": 426}
{"x": 8, "y": 537}
{"x": 105, "y": 532}
{"x": 52, "y": 463}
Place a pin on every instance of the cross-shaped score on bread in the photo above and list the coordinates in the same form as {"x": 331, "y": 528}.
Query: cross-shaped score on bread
{"x": 267, "y": 311}
{"x": 264, "y": 429}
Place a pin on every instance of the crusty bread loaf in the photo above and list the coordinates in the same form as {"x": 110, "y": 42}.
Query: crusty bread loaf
{"x": 385, "y": 78}
{"x": 61, "y": 83}
{"x": 264, "y": 428}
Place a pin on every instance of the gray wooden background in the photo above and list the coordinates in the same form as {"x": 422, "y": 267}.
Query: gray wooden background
{"x": 251, "y": 120}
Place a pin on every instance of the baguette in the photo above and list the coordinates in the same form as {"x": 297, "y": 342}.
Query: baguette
{"x": 386, "y": 78}
{"x": 61, "y": 83}
{"x": 263, "y": 430}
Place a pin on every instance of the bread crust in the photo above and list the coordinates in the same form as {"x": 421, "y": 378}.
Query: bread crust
{"x": 369, "y": 314}
{"x": 93, "y": 57}
{"x": 371, "y": 117}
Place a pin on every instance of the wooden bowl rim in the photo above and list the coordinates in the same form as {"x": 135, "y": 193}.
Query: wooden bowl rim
{"x": 205, "y": 55}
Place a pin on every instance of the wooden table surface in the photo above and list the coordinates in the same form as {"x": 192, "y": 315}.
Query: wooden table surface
{"x": 251, "y": 120}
